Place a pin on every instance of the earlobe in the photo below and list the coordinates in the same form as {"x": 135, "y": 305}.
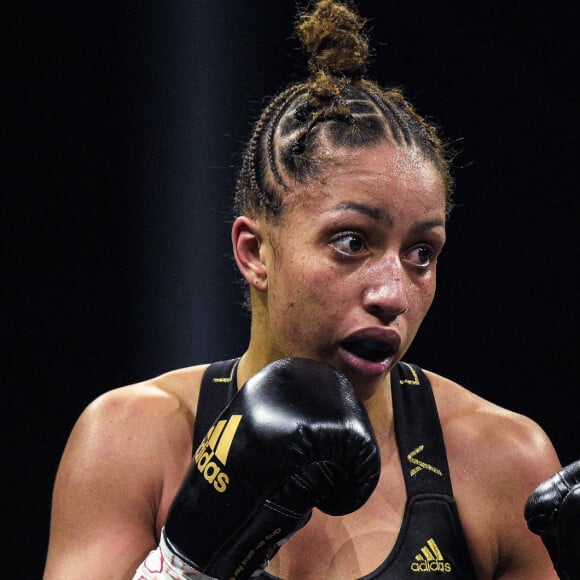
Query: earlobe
{"x": 247, "y": 243}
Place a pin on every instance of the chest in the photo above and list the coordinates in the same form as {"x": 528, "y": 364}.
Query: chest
{"x": 394, "y": 536}
{"x": 347, "y": 546}
{"x": 357, "y": 544}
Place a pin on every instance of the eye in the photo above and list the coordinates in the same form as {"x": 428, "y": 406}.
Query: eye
{"x": 422, "y": 255}
{"x": 349, "y": 244}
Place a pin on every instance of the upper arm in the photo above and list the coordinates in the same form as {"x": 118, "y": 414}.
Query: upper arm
{"x": 497, "y": 458}
{"x": 527, "y": 458}
{"x": 110, "y": 481}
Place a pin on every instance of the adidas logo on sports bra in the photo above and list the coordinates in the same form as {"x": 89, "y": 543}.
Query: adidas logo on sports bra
{"x": 212, "y": 454}
{"x": 430, "y": 559}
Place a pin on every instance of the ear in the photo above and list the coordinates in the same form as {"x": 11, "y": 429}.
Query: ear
{"x": 247, "y": 242}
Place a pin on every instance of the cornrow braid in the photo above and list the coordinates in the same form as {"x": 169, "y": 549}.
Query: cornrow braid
{"x": 250, "y": 191}
{"x": 337, "y": 105}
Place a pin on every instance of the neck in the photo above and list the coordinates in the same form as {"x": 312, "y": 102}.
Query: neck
{"x": 377, "y": 399}
{"x": 379, "y": 407}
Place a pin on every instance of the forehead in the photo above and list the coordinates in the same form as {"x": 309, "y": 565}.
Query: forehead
{"x": 386, "y": 176}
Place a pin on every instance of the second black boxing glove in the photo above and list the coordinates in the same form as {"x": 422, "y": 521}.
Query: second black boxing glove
{"x": 553, "y": 512}
{"x": 294, "y": 437}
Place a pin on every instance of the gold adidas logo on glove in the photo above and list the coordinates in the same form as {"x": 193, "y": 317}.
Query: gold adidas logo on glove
{"x": 212, "y": 454}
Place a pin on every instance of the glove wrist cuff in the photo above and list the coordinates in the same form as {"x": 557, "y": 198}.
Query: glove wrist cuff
{"x": 164, "y": 564}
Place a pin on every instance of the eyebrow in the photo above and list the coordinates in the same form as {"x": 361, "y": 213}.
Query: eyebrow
{"x": 374, "y": 213}
{"x": 428, "y": 225}
{"x": 380, "y": 215}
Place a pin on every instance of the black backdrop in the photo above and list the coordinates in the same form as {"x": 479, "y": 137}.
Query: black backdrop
{"x": 125, "y": 122}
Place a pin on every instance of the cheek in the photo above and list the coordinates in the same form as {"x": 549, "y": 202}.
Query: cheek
{"x": 422, "y": 296}
{"x": 310, "y": 292}
{"x": 420, "y": 300}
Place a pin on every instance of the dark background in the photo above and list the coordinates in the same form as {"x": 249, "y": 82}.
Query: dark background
{"x": 124, "y": 125}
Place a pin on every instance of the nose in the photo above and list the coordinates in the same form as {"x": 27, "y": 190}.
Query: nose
{"x": 385, "y": 292}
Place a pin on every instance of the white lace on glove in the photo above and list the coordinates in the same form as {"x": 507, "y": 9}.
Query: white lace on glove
{"x": 163, "y": 564}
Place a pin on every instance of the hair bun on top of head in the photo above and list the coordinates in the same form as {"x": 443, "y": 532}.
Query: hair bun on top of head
{"x": 336, "y": 106}
{"x": 333, "y": 36}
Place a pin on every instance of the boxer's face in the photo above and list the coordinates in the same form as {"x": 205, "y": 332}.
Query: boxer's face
{"x": 352, "y": 264}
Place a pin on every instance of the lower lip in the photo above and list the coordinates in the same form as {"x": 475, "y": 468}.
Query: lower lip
{"x": 363, "y": 366}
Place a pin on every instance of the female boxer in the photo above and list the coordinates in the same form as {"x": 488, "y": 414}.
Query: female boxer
{"x": 269, "y": 463}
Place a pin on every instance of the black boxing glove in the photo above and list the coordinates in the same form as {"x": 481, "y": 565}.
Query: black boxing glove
{"x": 295, "y": 437}
{"x": 553, "y": 512}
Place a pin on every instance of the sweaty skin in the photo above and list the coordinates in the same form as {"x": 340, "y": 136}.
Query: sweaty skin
{"x": 355, "y": 257}
{"x": 346, "y": 276}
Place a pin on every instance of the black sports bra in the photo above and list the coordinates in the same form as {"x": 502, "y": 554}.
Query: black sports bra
{"x": 431, "y": 541}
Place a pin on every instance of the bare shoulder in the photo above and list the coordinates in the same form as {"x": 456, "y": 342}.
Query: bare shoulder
{"x": 496, "y": 459}
{"x": 499, "y": 435}
{"x": 136, "y": 420}
{"x": 121, "y": 466}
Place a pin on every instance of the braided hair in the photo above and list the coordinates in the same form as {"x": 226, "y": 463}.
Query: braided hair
{"x": 336, "y": 105}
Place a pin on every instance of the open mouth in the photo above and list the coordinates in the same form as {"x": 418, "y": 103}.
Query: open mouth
{"x": 371, "y": 350}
